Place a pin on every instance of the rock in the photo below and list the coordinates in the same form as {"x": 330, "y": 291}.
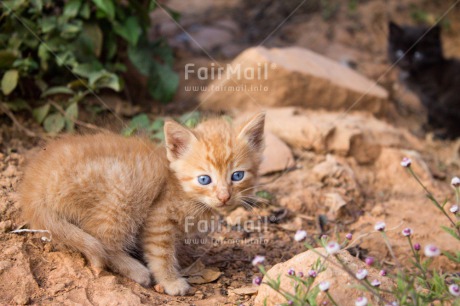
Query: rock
{"x": 358, "y": 134}
{"x": 389, "y": 166}
{"x": 291, "y": 77}
{"x": 208, "y": 38}
{"x": 335, "y": 203}
{"x": 341, "y": 283}
{"x": 108, "y": 292}
{"x": 277, "y": 155}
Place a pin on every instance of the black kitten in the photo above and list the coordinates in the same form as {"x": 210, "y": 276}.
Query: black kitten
{"x": 417, "y": 51}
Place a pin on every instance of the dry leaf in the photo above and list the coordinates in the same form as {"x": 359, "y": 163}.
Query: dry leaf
{"x": 249, "y": 290}
{"x": 197, "y": 273}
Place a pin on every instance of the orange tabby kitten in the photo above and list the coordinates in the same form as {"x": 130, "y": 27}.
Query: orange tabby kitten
{"x": 103, "y": 194}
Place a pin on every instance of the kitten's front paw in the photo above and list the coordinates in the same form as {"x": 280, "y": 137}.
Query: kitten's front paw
{"x": 176, "y": 287}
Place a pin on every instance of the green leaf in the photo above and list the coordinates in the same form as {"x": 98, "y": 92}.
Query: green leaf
{"x": 57, "y": 90}
{"x": 107, "y": 7}
{"x": 71, "y": 114}
{"x": 163, "y": 83}
{"x": 71, "y": 8}
{"x": 85, "y": 70}
{"x": 141, "y": 58}
{"x": 26, "y": 64}
{"x": 191, "y": 119}
{"x": 54, "y": 123}
{"x": 7, "y": 59}
{"x": 17, "y": 105}
{"x": 130, "y": 30}
{"x": 70, "y": 30}
{"x": 157, "y": 125}
{"x": 451, "y": 232}
{"x": 141, "y": 121}
{"x": 38, "y": 4}
{"x": 105, "y": 79}
{"x": 160, "y": 135}
{"x": 93, "y": 38}
{"x": 47, "y": 24}
{"x": 85, "y": 11}
{"x": 10, "y": 81}
{"x": 44, "y": 56}
{"x": 40, "y": 113}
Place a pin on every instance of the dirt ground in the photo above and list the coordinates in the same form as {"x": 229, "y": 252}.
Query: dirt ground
{"x": 34, "y": 271}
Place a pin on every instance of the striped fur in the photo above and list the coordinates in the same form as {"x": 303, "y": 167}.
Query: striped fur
{"x": 104, "y": 194}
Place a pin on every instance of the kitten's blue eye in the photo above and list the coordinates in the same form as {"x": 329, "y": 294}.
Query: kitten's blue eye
{"x": 237, "y": 176}
{"x": 418, "y": 55}
{"x": 400, "y": 53}
{"x": 204, "y": 179}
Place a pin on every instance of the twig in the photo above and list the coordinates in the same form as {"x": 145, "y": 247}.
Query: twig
{"x": 76, "y": 121}
{"x": 18, "y": 231}
{"x": 16, "y": 122}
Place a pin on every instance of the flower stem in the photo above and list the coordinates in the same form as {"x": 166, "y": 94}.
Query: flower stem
{"x": 431, "y": 197}
{"x": 419, "y": 264}
{"x": 331, "y": 299}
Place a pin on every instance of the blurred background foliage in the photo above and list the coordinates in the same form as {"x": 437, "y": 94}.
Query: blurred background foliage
{"x": 54, "y": 53}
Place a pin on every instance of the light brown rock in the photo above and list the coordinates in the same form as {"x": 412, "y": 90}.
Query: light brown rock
{"x": 208, "y": 38}
{"x": 108, "y": 292}
{"x": 357, "y": 134}
{"x": 277, "y": 155}
{"x": 291, "y": 77}
{"x": 341, "y": 283}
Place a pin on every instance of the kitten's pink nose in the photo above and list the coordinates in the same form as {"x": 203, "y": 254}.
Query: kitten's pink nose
{"x": 223, "y": 196}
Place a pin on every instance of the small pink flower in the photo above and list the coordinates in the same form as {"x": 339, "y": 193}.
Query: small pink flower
{"x": 324, "y": 286}
{"x": 361, "y": 274}
{"x": 291, "y": 271}
{"x": 333, "y": 247}
{"x": 455, "y": 182}
{"x": 454, "y": 209}
{"x": 257, "y": 280}
{"x": 406, "y": 162}
{"x": 376, "y": 283}
{"x": 361, "y": 301}
{"x": 290, "y": 302}
{"x": 383, "y": 273}
{"x": 349, "y": 236}
{"x": 407, "y": 232}
{"x": 380, "y": 226}
{"x": 369, "y": 261}
{"x": 258, "y": 260}
{"x": 432, "y": 251}
{"x": 300, "y": 274}
{"x": 454, "y": 289}
{"x": 417, "y": 246}
{"x": 312, "y": 273}
{"x": 300, "y": 235}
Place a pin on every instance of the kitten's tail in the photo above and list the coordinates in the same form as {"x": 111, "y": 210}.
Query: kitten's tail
{"x": 74, "y": 237}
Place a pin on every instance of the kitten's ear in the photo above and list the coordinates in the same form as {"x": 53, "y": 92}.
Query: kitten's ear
{"x": 177, "y": 138}
{"x": 434, "y": 33}
{"x": 253, "y": 132}
{"x": 394, "y": 29}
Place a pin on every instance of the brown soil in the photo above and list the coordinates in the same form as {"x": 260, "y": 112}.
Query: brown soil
{"x": 34, "y": 271}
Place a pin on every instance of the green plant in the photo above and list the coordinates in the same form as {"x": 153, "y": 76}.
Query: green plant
{"x": 414, "y": 285}
{"x": 64, "y": 50}
{"x": 154, "y": 128}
